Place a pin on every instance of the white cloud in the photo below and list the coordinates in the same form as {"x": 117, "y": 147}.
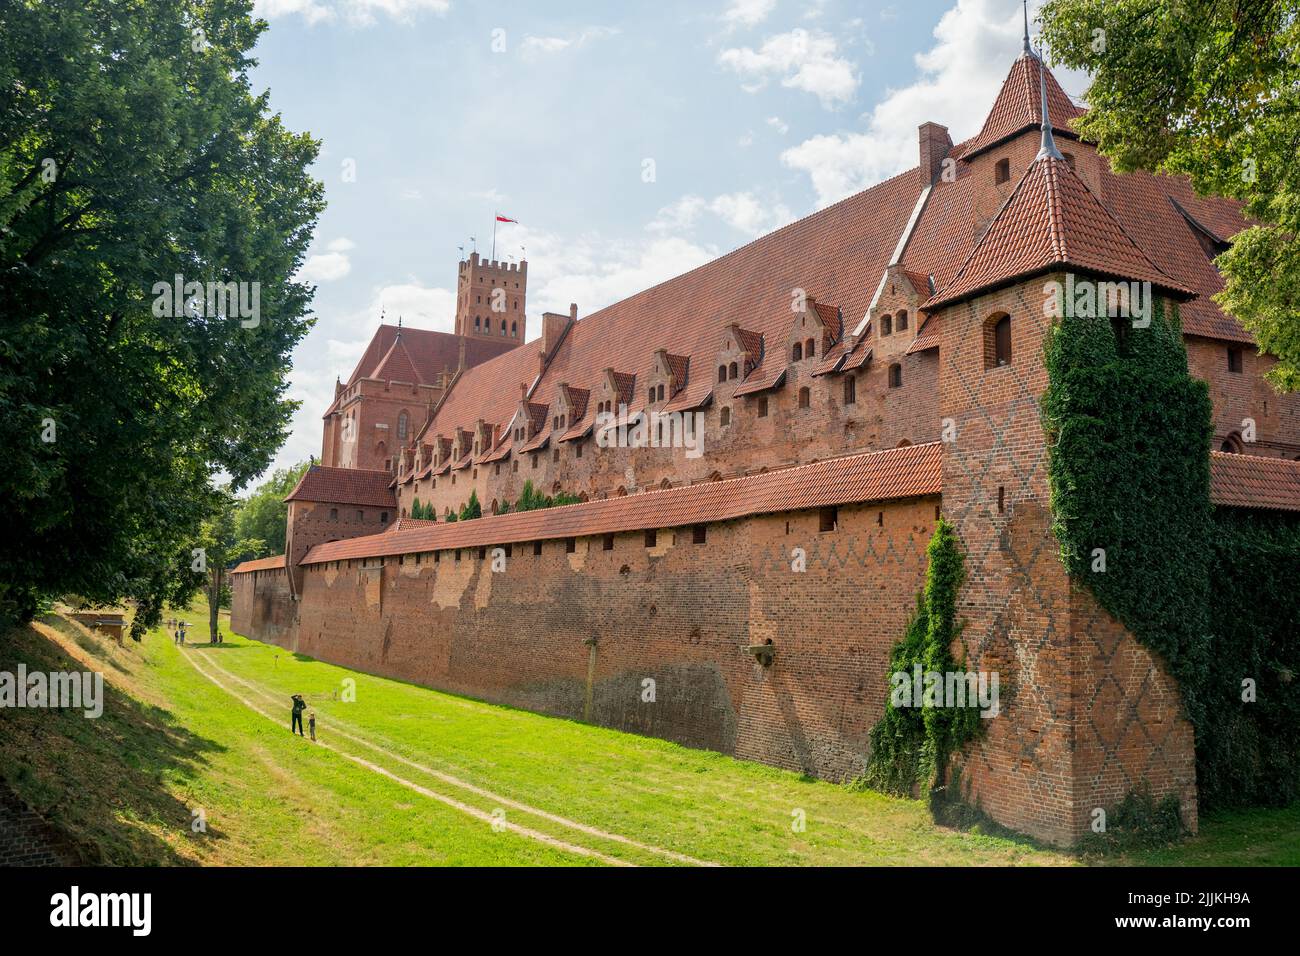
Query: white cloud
{"x": 778, "y": 124}
{"x": 535, "y": 46}
{"x": 748, "y": 13}
{"x": 330, "y": 265}
{"x": 804, "y": 60}
{"x": 356, "y": 12}
{"x": 742, "y": 211}
{"x": 977, "y": 41}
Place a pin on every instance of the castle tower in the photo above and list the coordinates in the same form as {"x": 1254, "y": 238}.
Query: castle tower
{"x": 490, "y": 299}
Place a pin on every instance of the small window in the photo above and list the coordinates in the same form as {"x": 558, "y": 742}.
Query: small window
{"x": 762, "y": 406}
{"x": 383, "y": 517}
{"x": 900, "y": 323}
{"x": 805, "y": 397}
{"x": 1002, "y": 171}
{"x": 895, "y": 376}
{"x": 809, "y": 349}
{"x": 725, "y": 418}
{"x": 651, "y": 536}
{"x": 577, "y": 449}
{"x": 661, "y": 389}
{"x": 1234, "y": 360}
{"x": 555, "y": 453}
{"x": 608, "y": 543}
{"x": 998, "y": 343}
{"x": 1002, "y": 499}
{"x": 570, "y": 545}
{"x": 722, "y": 373}
{"x": 733, "y": 370}
{"x": 886, "y": 325}
{"x": 699, "y": 534}
{"x": 334, "y": 514}
{"x": 534, "y": 457}
{"x": 851, "y": 390}
{"x": 537, "y": 549}
{"x": 797, "y": 352}
{"x": 651, "y": 399}
{"x": 1233, "y": 445}
{"x": 361, "y": 515}
{"x": 828, "y": 519}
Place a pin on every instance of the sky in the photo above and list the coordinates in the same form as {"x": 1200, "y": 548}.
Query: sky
{"x": 633, "y": 140}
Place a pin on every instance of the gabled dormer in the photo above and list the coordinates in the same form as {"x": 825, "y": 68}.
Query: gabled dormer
{"x": 614, "y": 390}
{"x": 814, "y": 328}
{"x": 570, "y": 407}
{"x": 666, "y": 378}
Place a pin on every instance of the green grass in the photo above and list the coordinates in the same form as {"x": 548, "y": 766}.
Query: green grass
{"x": 171, "y": 740}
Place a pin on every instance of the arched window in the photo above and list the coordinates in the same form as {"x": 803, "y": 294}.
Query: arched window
{"x": 403, "y": 423}
{"x": 661, "y": 393}
{"x": 809, "y": 349}
{"x": 725, "y": 418}
{"x": 1002, "y": 171}
{"x": 900, "y": 324}
{"x": 904, "y": 443}
{"x": 722, "y": 373}
{"x": 886, "y": 325}
{"x": 1233, "y": 444}
{"x": 651, "y": 399}
{"x": 476, "y": 322}
{"x": 895, "y": 375}
{"x": 503, "y": 326}
{"x": 797, "y": 352}
{"x": 514, "y": 329}
{"x": 805, "y": 397}
{"x": 733, "y": 371}
{"x": 997, "y": 340}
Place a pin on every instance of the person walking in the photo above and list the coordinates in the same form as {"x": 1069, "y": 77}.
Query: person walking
{"x": 299, "y": 705}
{"x": 311, "y": 725}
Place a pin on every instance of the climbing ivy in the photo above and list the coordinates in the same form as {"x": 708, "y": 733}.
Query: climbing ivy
{"x": 1129, "y": 432}
{"x": 910, "y": 745}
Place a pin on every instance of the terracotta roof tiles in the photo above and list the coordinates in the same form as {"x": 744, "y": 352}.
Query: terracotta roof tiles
{"x": 1250, "y": 481}
{"x": 260, "y": 564}
{"x": 347, "y": 486}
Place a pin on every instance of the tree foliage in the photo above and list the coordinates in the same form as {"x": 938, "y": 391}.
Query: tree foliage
{"x": 261, "y": 519}
{"x": 133, "y": 150}
{"x": 1212, "y": 91}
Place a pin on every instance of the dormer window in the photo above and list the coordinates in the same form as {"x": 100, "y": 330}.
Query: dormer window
{"x": 900, "y": 324}
{"x": 797, "y": 352}
{"x": 886, "y": 325}
{"x": 1002, "y": 171}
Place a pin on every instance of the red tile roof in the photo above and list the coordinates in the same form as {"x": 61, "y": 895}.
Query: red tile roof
{"x": 763, "y": 378}
{"x": 260, "y": 564}
{"x": 346, "y": 486}
{"x": 1051, "y": 220}
{"x": 1250, "y": 481}
{"x": 910, "y": 472}
{"x": 1019, "y": 106}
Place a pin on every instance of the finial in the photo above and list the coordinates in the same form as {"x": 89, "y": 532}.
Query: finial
{"x": 1028, "y": 50}
{"x": 1049, "y": 143}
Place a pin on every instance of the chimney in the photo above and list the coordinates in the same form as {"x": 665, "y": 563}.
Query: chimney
{"x": 935, "y": 146}
{"x": 573, "y": 312}
{"x": 553, "y": 326}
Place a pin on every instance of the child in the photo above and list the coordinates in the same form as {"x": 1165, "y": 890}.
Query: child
{"x": 311, "y": 724}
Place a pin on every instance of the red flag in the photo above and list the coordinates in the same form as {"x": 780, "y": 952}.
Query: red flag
{"x": 504, "y": 219}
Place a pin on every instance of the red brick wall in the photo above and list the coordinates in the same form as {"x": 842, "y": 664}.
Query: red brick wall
{"x": 678, "y": 613}
{"x": 1088, "y": 712}
{"x": 1246, "y": 395}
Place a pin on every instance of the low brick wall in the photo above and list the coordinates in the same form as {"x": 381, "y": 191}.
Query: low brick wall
{"x": 25, "y": 838}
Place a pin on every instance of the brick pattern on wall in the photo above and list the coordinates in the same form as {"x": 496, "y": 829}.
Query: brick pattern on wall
{"x": 25, "y": 838}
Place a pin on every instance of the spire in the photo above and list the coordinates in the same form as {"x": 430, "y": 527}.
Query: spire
{"x": 1028, "y": 50}
{"x": 1048, "y": 149}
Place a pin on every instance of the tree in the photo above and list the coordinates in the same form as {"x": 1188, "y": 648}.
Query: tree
{"x": 263, "y": 517}
{"x": 1212, "y": 91}
{"x": 219, "y": 549}
{"x": 471, "y": 509}
{"x": 133, "y": 151}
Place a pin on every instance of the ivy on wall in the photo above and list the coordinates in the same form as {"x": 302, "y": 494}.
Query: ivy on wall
{"x": 1129, "y": 433}
{"x": 910, "y": 744}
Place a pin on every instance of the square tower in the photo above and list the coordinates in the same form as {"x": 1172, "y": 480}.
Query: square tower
{"x": 490, "y": 299}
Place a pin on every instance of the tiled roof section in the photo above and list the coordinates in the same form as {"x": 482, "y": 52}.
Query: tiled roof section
{"x": 1019, "y": 106}
{"x": 1051, "y": 219}
{"x": 409, "y": 524}
{"x": 761, "y": 379}
{"x": 578, "y": 398}
{"x": 537, "y": 414}
{"x": 261, "y": 564}
{"x": 398, "y": 366}
{"x": 502, "y": 450}
{"x": 688, "y": 399}
{"x": 345, "y": 486}
{"x": 858, "y": 357}
{"x": 830, "y": 316}
{"x": 678, "y": 364}
{"x": 910, "y": 472}
{"x": 1249, "y": 481}
{"x": 750, "y": 341}
{"x": 920, "y": 282}
{"x": 537, "y": 442}
{"x": 831, "y": 360}
{"x": 625, "y": 382}
{"x": 839, "y": 251}
{"x": 927, "y": 338}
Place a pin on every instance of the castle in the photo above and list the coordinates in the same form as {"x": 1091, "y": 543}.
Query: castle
{"x": 838, "y": 384}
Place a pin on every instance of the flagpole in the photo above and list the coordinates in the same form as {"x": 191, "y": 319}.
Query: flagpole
{"x": 495, "y": 215}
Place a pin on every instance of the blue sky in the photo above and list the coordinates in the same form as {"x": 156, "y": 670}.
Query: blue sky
{"x": 632, "y": 139}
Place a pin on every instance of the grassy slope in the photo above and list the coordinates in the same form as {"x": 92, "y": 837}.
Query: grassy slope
{"x": 172, "y": 741}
